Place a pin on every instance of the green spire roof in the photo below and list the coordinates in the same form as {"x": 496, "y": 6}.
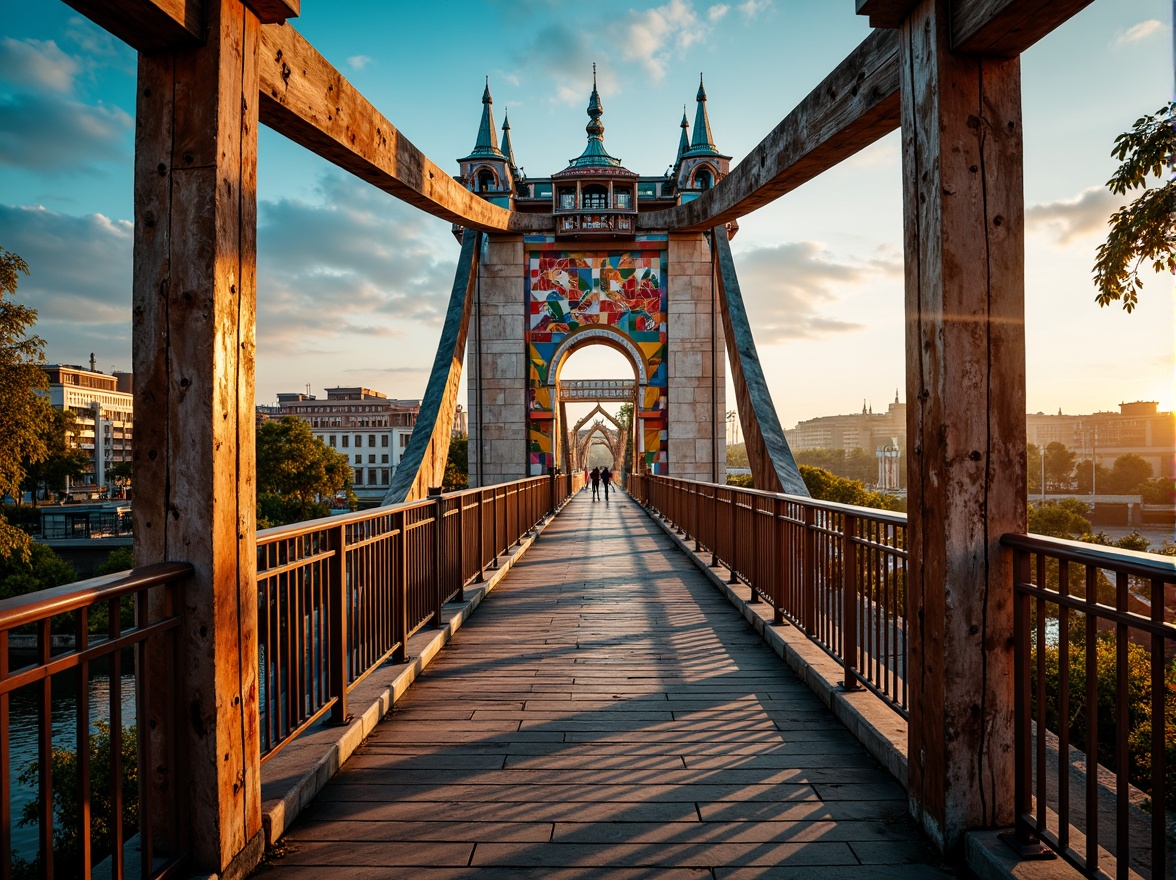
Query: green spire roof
{"x": 595, "y": 155}
{"x": 487, "y": 145}
{"x": 507, "y": 148}
{"x": 684, "y": 140}
{"x": 702, "y": 144}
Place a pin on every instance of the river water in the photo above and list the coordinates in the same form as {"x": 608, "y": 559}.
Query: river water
{"x": 22, "y": 729}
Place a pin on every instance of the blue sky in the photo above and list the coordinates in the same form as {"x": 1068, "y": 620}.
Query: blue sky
{"x": 352, "y": 284}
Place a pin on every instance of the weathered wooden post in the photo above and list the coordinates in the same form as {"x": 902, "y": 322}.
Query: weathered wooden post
{"x": 194, "y": 301}
{"x": 965, "y": 344}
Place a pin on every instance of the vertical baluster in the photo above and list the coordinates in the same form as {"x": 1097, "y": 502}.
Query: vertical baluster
{"x": 849, "y": 600}
{"x": 1122, "y": 734}
{"x": 439, "y": 581}
{"x": 45, "y": 750}
{"x": 1159, "y": 777}
{"x": 1022, "y": 745}
{"x": 117, "y": 831}
{"x": 400, "y": 589}
{"x": 1064, "y": 707}
{"x": 337, "y": 613}
{"x": 1039, "y": 693}
{"x": 82, "y": 740}
{"x": 5, "y": 772}
{"x": 1091, "y": 720}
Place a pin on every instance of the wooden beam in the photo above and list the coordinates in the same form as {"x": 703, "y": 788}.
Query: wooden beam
{"x": 148, "y": 25}
{"x": 852, "y": 108}
{"x": 310, "y": 102}
{"x": 1006, "y": 28}
{"x": 423, "y": 464}
{"x": 274, "y": 11}
{"x": 965, "y": 349}
{"x": 194, "y": 301}
{"x": 885, "y": 13}
{"x": 773, "y": 467}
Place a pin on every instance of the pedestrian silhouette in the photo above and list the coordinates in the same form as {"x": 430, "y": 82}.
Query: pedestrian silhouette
{"x": 606, "y": 478}
{"x": 595, "y": 477}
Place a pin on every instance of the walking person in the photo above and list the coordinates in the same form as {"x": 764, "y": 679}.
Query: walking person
{"x": 606, "y": 478}
{"x": 595, "y": 478}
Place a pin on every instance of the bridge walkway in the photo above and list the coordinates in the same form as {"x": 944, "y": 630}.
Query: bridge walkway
{"x": 606, "y": 714}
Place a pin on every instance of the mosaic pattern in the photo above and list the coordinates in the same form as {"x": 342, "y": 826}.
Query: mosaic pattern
{"x": 571, "y": 292}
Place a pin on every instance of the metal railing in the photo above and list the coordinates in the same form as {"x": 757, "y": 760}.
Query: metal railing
{"x": 338, "y": 597}
{"x": 1095, "y": 661}
{"x": 75, "y": 704}
{"x": 835, "y": 571}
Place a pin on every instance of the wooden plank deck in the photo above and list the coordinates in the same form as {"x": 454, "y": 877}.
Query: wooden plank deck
{"x": 606, "y": 714}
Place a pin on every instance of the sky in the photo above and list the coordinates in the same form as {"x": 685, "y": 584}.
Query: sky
{"x": 352, "y": 284}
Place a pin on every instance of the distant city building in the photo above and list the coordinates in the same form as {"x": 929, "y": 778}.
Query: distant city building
{"x": 365, "y": 425}
{"x": 1138, "y": 428}
{"x": 103, "y": 406}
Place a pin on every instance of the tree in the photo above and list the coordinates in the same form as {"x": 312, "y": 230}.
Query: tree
{"x": 1059, "y": 466}
{"x": 1161, "y": 490}
{"x": 457, "y": 467}
{"x": 1033, "y": 468}
{"x": 625, "y": 420}
{"x": 1059, "y": 519}
{"x": 297, "y": 474}
{"x": 1085, "y": 483}
{"x": 1128, "y": 473}
{"x": 62, "y": 460}
{"x": 23, "y": 411}
{"x": 825, "y": 486}
{"x": 737, "y": 455}
{"x": 1145, "y": 229}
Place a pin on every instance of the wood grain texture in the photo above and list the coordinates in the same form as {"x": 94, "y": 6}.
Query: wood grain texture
{"x": 853, "y": 107}
{"x": 194, "y": 298}
{"x": 1006, "y": 28}
{"x": 423, "y": 462}
{"x": 964, "y": 240}
{"x": 148, "y": 25}
{"x": 885, "y": 13}
{"x": 274, "y": 11}
{"x": 310, "y": 102}
{"x": 773, "y": 468}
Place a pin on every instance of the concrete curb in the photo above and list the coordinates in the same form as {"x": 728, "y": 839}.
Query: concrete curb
{"x": 292, "y": 779}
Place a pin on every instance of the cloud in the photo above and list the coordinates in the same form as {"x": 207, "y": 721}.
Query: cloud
{"x": 1071, "y": 219}
{"x": 752, "y": 8}
{"x": 43, "y": 127}
{"x": 563, "y": 56}
{"x": 650, "y": 37}
{"x": 354, "y": 263}
{"x": 1139, "y": 32}
{"x": 717, "y": 11}
{"x": 790, "y": 288}
{"x": 37, "y": 64}
{"x": 359, "y": 62}
{"x": 79, "y": 281}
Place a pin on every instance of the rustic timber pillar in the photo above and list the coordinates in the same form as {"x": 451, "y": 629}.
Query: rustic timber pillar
{"x": 194, "y": 318}
{"x": 965, "y": 344}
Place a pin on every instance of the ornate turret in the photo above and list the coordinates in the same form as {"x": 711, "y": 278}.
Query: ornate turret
{"x": 507, "y": 148}
{"x": 700, "y": 166}
{"x": 683, "y": 142}
{"x": 487, "y": 170}
{"x": 594, "y": 195}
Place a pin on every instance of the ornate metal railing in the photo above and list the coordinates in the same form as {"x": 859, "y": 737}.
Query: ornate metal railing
{"x": 835, "y": 571}
{"x": 100, "y": 649}
{"x": 1095, "y": 661}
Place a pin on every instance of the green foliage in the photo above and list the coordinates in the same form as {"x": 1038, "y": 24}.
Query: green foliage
{"x": 1137, "y": 699}
{"x": 1144, "y": 230}
{"x": 120, "y": 559}
{"x": 1127, "y": 474}
{"x": 42, "y": 569}
{"x": 1059, "y": 519}
{"x": 1161, "y": 490}
{"x": 62, "y": 460}
{"x": 120, "y": 473}
{"x": 625, "y": 420}
{"x": 24, "y": 411}
{"x": 297, "y": 474}
{"x": 852, "y": 464}
{"x": 737, "y": 455}
{"x": 742, "y": 481}
{"x": 825, "y": 486}
{"x": 67, "y": 807}
{"x": 457, "y": 467}
{"x": 1059, "y": 467}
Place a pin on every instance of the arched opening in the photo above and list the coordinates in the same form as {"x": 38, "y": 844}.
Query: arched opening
{"x": 704, "y": 178}
{"x": 486, "y": 181}
{"x": 596, "y": 432}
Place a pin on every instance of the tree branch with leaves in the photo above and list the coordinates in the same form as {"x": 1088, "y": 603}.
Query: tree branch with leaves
{"x": 1145, "y": 230}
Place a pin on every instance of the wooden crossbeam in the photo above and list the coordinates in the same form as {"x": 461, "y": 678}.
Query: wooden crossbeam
{"x": 1006, "y": 28}
{"x": 274, "y": 11}
{"x": 852, "y": 108}
{"x": 310, "y": 102}
{"x": 148, "y": 25}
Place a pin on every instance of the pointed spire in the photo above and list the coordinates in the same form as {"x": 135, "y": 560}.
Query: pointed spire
{"x": 703, "y": 143}
{"x": 595, "y": 155}
{"x": 684, "y": 140}
{"x": 487, "y": 145}
{"x": 507, "y": 147}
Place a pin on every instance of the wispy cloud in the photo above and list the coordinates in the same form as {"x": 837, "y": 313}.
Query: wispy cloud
{"x": 359, "y": 62}
{"x": 752, "y": 8}
{"x": 43, "y": 125}
{"x": 791, "y": 290}
{"x": 649, "y": 38}
{"x": 1139, "y": 32}
{"x": 1071, "y": 219}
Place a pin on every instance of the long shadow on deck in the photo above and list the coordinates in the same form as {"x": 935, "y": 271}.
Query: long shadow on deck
{"x": 606, "y": 714}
